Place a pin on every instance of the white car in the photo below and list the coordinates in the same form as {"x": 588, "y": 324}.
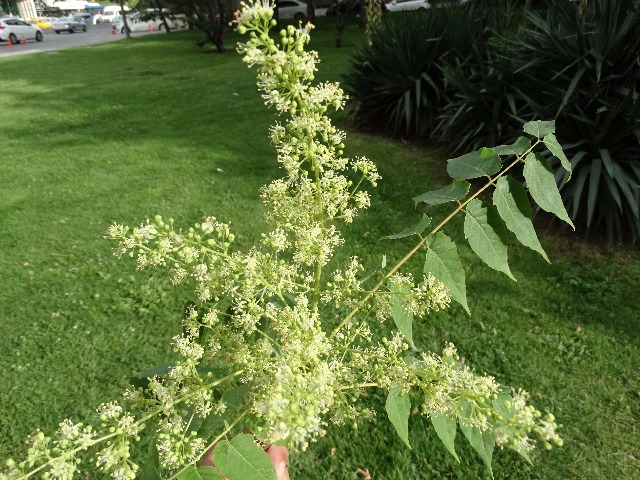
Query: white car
{"x": 146, "y": 21}
{"x": 291, "y": 9}
{"x": 405, "y": 5}
{"x": 14, "y": 29}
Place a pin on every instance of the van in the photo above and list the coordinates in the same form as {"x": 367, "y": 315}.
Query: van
{"x": 110, "y": 12}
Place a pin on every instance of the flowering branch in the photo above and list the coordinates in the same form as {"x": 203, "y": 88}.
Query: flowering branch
{"x": 258, "y": 345}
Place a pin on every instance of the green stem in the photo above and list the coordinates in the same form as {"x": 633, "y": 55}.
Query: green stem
{"x": 150, "y": 415}
{"x": 417, "y": 247}
{"x": 214, "y": 442}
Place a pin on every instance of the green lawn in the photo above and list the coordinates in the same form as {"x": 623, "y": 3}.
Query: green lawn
{"x": 126, "y": 130}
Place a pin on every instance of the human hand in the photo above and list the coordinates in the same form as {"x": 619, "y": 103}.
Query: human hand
{"x": 279, "y": 457}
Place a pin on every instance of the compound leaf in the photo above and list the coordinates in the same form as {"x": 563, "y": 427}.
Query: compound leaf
{"x": 398, "y": 408}
{"x": 402, "y": 318}
{"x": 486, "y": 240}
{"x": 481, "y": 163}
{"x": 540, "y": 128}
{"x": 416, "y": 229}
{"x": 444, "y": 264}
{"x": 543, "y": 188}
{"x": 456, "y": 191}
{"x": 445, "y": 428}
{"x": 242, "y": 458}
{"x": 510, "y": 198}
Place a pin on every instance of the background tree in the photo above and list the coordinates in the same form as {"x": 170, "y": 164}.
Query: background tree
{"x": 210, "y": 16}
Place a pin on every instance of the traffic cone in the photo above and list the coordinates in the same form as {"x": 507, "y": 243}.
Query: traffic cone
{"x": 150, "y": 29}
{"x": 23, "y": 41}
{"x": 9, "y": 43}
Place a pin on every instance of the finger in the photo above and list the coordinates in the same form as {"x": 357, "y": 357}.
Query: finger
{"x": 279, "y": 457}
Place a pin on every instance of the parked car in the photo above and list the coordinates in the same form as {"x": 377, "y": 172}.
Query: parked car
{"x": 291, "y": 9}
{"x": 145, "y": 21}
{"x": 109, "y": 13}
{"x": 85, "y": 17}
{"x": 14, "y": 29}
{"x": 405, "y": 5}
{"x": 69, "y": 24}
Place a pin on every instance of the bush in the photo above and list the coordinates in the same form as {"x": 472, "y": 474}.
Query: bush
{"x": 395, "y": 82}
{"x": 476, "y": 78}
{"x": 583, "y": 69}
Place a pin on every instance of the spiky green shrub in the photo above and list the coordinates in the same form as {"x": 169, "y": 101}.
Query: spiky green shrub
{"x": 395, "y": 83}
{"x": 581, "y": 67}
{"x": 586, "y": 66}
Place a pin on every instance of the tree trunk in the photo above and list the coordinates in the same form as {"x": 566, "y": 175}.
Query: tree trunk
{"x": 311, "y": 11}
{"x": 165, "y": 24}
{"x": 125, "y": 25}
{"x": 340, "y": 20}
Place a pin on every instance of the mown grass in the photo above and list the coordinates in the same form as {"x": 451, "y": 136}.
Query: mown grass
{"x": 123, "y": 131}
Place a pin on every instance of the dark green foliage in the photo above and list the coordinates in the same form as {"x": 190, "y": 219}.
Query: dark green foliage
{"x": 396, "y": 82}
{"x": 583, "y": 70}
{"x": 576, "y": 63}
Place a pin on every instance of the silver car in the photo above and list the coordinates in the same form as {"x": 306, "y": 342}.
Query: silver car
{"x": 69, "y": 24}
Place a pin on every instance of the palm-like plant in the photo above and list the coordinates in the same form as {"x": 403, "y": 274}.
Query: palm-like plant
{"x": 582, "y": 67}
{"x": 395, "y": 82}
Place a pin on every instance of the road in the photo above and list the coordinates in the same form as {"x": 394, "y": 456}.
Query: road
{"x": 95, "y": 34}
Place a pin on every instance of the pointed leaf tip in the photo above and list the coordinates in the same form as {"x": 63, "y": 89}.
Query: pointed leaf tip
{"x": 445, "y": 428}
{"x": 398, "y": 408}
{"x": 443, "y": 262}
{"x": 456, "y": 191}
{"x": 416, "y": 229}
{"x": 486, "y": 234}
{"x": 481, "y": 163}
{"x": 543, "y": 188}
{"x": 401, "y": 316}
{"x": 512, "y": 203}
{"x": 540, "y": 128}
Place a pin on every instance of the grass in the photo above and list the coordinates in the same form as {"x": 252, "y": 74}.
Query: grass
{"x": 123, "y": 131}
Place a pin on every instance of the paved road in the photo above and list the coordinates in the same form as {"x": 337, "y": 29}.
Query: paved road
{"x": 100, "y": 33}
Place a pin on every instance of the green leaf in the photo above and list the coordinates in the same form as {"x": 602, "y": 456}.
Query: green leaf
{"x": 510, "y": 198}
{"x": 444, "y": 264}
{"x": 416, "y": 229}
{"x": 445, "y": 428}
{"x": 481, "y": 163}
{"x": 234, "y": 396}
{"x": 151, "y": 467}
{"x": 521, "y": 145}
{"x": 522, "y": 452}
{"x": 482, "y": 442}
{"x": 455, "y": 191}
{"x": 543, "y": 188}
{"x": 487, "y": 234}
{"x": 242, "y": 458}
{"x": 202, "y": 473}
{"x": 398, "y": 408}
{"x": 555, "y": 148}
{"x": 402, "y": 318}
{"x": 539, "y": 128}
